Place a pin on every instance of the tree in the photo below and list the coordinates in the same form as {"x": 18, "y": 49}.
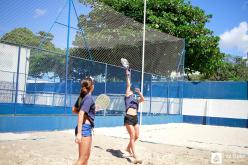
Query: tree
{"x": 233, "y": 69}
{"x": 41, "y": 62}
{"x": 180, "y": 19}
{"x": 46, "y": 40}
{"x": 22, "y": 36}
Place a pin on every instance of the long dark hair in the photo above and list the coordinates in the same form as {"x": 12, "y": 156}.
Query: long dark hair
{"x": 86, "y": 86}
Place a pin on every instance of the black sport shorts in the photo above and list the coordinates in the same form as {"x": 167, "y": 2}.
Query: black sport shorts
{"x": 131, "y": 120}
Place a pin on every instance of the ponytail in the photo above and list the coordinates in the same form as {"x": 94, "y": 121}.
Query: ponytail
{"x": 86, "y": 86}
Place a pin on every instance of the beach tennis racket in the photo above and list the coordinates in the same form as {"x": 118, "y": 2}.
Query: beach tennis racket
{"x": 125, "y": 63}
{"x": 102, "y": 102}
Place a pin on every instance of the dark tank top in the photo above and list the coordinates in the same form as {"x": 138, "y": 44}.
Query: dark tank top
{"x": 131, "y": 102}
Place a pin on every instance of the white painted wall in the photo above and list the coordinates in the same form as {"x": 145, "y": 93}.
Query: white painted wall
{"x": 237, "y": 109}
{"x": 8, "y": 65}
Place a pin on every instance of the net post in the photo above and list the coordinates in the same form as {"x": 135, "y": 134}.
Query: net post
{"x": 143, "y": 60}
{"x": 182, "y": 79}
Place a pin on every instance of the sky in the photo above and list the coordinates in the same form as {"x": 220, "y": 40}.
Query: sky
{"x": 40, "y": 15}
{"x": 229, "y": 22}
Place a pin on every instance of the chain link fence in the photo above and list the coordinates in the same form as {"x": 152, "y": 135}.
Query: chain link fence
{"x": 35, "y": 44}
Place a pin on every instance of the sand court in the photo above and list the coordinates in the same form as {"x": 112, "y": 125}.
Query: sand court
{"x": 164, "y": 144}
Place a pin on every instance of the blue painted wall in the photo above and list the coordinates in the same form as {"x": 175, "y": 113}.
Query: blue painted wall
{"x": 43, "y": 123}
{"x": 201, "y": 90}
{"x": 205, "y": 90}
{"x": 30, "y": 109}
{"x": 216, "y": 90}
{"x": 216, "y": 121}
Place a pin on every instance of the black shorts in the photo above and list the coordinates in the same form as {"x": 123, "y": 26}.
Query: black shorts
{"x": 131, "y": 120}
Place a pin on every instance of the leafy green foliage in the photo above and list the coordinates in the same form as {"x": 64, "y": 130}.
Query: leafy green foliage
{"x": 40, "y": 62}
{"x": 22, "y": 36}
{"x": 233, "y": 69}
{"x": 180, "y": 19}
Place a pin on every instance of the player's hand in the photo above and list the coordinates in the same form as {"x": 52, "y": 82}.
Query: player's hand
{"x": 127, "y": 72}
{"x": 137, "y": 90}
{"x": 75, "y": 110}
{"x": 78, "y": 138}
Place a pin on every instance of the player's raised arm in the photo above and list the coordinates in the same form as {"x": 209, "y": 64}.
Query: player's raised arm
{"x": 141, "y": 99}
{"x": 128, "y": 82}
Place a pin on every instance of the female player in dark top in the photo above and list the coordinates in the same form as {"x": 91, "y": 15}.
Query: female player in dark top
{"x": 131, "y": 118}
{"x": 85, "y": 108}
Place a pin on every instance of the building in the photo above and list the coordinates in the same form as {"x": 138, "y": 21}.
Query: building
{"x": 13, "y": 59}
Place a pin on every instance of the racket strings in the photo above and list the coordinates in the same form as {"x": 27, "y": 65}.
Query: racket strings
{"x": 102, "y": 101}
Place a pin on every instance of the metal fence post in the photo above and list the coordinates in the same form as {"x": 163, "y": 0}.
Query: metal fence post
{"x": 53, "y": 91}
{"x": 35, "y": 83}
{"x": 71, "y": 93}
{"x": 181, "y": 97}
{"x": 17, "y": 78}
{"x": 106, "y": 73}
{"x": 150, "y": 94}
{"x": 67, "y": 52}
{"x": 105, "y": 87}
{"x": 13, "y": 87}
{"x": 168, "y": 99}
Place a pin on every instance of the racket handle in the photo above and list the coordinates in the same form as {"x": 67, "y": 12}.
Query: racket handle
{"x": 128, "y": 72}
